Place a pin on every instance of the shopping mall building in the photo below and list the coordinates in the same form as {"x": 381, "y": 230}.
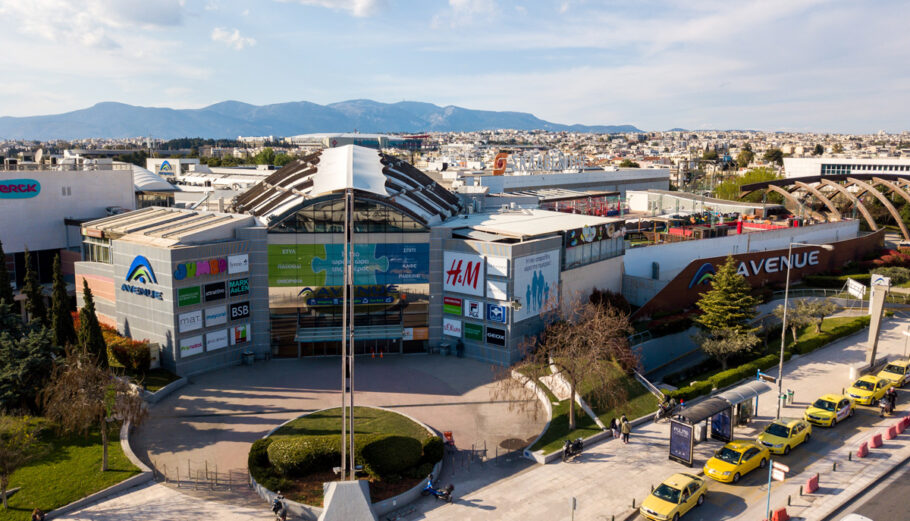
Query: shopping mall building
{"x": 432, "y": 270}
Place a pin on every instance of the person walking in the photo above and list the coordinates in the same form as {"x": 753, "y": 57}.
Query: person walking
{"x": 614, "y": 427}
{"x": 626, "y": 428}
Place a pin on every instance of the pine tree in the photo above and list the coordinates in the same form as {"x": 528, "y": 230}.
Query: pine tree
{"x": 61, "y": 317}
{"x": 90, "y": 337}
{"x": 6, "y": 286}
{"x": 34, "y": 303}
{"x": 729, "y": 304}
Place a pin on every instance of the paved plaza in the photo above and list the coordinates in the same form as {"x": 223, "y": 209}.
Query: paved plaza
{"x": 219, "y": 415}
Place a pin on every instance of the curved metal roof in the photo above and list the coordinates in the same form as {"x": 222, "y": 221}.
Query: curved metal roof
{"x": 336, "y": 169}
{"x": 147, "y": 181}
{"x": 744, "y": 392}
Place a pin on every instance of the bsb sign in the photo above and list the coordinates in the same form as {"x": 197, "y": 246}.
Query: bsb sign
{"x": 19, "y": 188}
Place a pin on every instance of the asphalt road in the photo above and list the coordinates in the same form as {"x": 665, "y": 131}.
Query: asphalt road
{"x": 726, "y": 500}
{"x": 885, "y": 501}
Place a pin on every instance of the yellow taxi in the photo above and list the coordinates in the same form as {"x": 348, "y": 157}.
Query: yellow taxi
{"x": 897, "y": 372}
{"x": 868, "y": 390}
{"x": 736, "y": 459}
{"x": 674, "y": 497}
{"x": 784, "y": 434}
{"x": 829, "y": 410}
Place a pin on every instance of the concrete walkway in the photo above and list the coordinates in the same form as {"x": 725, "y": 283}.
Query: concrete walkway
{"x": 605, "y": 480}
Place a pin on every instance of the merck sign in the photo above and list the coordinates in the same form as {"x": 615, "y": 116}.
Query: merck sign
{"x": 19, "y": 188}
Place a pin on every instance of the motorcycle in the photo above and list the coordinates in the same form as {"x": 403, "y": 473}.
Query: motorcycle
{"x": 665, "y": 410}
{"x": 279, "y": 509}
{"x": 444, "y": 494}
{"x": 572, "y": 449}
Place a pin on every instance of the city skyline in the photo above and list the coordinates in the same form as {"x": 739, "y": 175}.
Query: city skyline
{"x": 797, "y": 66}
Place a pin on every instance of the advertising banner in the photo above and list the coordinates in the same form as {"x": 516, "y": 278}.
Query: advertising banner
{"x": 240, "y": 310}
{"x": 473, "y": 309}
{"x": 321, "y": 264}
{"x": 496, "y": 313}
{"x": 451, "y": 305}
{"x": 497, "y": 266}
{"x": 189, "y": 321}
{"x": 363, "y": 295}
{"x": 415, "y": 333}
{"x": 238, "y": 287}
{"x": 451, "y": 327}
{"x": 536, "y": 284}
{"x": 722, "y": 426}
{"x": 473, "y": 332}
{"x": 216, "y": 340}
{"x": 189, "y": 296}
{"x": 681, "y": 442}
{"x": 498, "y": 289}
{"x": 190, "y": 346}
{"x": 238, "y": 263}
{"x": 463, "y": 273}
{"x": 855, "y": 288}
{"x": 215, "y": 316}
{"x": 240, "y": 334}
{"x": 496, "y": 337}
{"x": 214, "y": 291}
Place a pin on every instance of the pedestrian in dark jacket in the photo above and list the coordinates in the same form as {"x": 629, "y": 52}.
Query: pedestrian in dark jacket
{"x": 614, "y": 427}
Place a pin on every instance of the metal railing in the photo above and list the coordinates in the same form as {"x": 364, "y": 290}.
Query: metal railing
{"x": 64, "y": 167}
{"x": 201, "y": 476}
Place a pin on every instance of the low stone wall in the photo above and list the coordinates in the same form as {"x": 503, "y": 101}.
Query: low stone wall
{"x": 165, "y": 391}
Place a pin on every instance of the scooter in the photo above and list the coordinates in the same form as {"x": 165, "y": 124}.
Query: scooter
{"x": 278, "y": 508}
{"x": 572, "y": 449}
{"x": 444, "y": 494}
{"x": 665, "y": 410}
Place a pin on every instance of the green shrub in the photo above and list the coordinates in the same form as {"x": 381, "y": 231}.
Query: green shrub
{"x": 259, "y": 455}
{"x": 691, "y": 391}
{"x": 433, "y": 450}
{"x": 389, "y": 455}
{"x": 835, "y": 281}
{"x": 302, "y": 455}
{"x": 132, "y": 354}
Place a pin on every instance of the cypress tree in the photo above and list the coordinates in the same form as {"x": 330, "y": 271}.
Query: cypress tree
{"x": 729, "y": 304}
{"x": 6, "y": 285}
{"x": 61, "y": 317}
{"x": 90, "y": 337}
{"x": 34, "y": 303}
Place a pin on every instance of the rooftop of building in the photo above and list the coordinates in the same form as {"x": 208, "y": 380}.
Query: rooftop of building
{"x": 167, "y": 227}
{"x": 522, "y": 223}
{"x": 334, "y": 170}
{"x": 689, "y": 196}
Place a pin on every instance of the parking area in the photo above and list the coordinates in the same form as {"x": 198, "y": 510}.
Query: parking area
{"x": 214, "y": 419}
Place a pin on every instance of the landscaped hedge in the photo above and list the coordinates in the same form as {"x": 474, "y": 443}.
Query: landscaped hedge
{"x": 433, "y": 450}
{"x": 807, "y": 346}
{"x": 835, "y": 281}
{"x": 381, "y": 455}
{"x": 303, "y": 455}
{"x": 390, "y": 455}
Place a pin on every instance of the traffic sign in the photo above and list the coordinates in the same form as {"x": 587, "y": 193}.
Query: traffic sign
{"x": 780, "y": 466}
{"x": 769, "y": 378}
{"x": 778, "y": 475}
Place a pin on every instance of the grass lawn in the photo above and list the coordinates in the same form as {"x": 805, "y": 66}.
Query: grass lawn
{"x": 153, "y": 381}
{"x": 309, "y": 489}
{"x": 70, "y": 471}
{"x": 640, "y": 402}
{"x": 366, "y": 421}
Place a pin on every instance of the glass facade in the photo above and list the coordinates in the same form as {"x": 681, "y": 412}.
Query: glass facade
{"x": 391, "y": 279}
{"x": 96, "y": 250}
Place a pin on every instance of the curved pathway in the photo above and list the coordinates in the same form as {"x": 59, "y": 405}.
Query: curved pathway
{"x": 213, "y": 420}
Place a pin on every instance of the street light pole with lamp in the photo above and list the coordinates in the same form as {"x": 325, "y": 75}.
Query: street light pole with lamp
{"x": 783, "y": 331}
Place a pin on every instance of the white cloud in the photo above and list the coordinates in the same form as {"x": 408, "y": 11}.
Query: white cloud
{"x": 90, "y": 23}
{"x": 358, "y": 8}
{"x": 232, "y": 38}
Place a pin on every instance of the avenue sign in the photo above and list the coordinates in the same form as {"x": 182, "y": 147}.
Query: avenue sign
{"x": 777, "y": 263}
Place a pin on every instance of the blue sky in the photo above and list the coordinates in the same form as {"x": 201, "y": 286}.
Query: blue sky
{"x": 805, "y": 65}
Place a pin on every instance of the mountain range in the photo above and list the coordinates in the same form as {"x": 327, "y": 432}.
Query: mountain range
{"x": 230, "y": 119}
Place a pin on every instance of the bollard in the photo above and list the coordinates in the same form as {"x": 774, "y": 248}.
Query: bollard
{"x": 652, "y": 487}
{"x": 165, "y": 473}
{"x": 891, "y": 433}
{"x": 811, "y": 484}
{"x": 849, "y": 456}
{"x": 876, "y": 441}
{"x": 206, "y": 470}
{"x": 863, "y": 450}
{"x": 834, "y": 467}
{"x": 788, "y": 501}
{"x": 633, "y": 502}
{"x": 178, "y": 476}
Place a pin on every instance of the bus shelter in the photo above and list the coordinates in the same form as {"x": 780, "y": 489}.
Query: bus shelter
{"x": 719, "y": 413}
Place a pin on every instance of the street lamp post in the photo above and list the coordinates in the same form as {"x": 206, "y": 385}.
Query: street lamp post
{"x": 783, "y": 331}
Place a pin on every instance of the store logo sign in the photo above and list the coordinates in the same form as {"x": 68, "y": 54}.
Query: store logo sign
{"x": 19, "y": 188}
{"x": 141, "y": 271}
{"x": 198, "y": 269}
{"x": 496, "y": 337}
{"x": 704, "y": 275}
{"x": 165, "y": 168}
